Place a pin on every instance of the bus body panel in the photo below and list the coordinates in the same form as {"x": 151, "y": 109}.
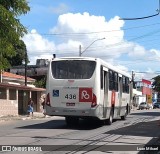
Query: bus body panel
{"x": 73, "y": 97}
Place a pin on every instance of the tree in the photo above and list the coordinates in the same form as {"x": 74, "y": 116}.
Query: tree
{"x": 41, "y": 83}
{"x": 11, "y": 30}
{"x": 156, "y": 83}
{"x": 19, "y": 57}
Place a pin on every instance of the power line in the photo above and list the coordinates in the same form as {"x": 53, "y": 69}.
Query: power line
{"x": 150, "y": 16}
{"x": 140, "y": 17}
{"x": 86, "y": 33}
{"x": 156, "y": 72}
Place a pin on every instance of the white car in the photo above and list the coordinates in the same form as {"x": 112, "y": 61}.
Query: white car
{"x": 145, "y": 105}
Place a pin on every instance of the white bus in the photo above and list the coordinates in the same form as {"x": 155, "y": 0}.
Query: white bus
{"x": 83, "y": 87}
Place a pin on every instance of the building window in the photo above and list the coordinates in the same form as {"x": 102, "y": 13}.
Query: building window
{"x": 3, "y": 93}
{"x": 12, "y": 94}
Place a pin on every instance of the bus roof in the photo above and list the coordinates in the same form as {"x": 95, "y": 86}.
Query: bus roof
{"x": 77, "y": 58}
{"x": 108, "y": 65}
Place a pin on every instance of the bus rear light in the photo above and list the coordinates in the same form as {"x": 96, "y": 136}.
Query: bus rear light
{"x": 48, "y": 100}
{"x": 94, "y": 101}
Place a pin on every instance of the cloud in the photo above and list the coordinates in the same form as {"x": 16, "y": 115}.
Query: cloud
{"x": 69, "y": 48}
{"x": 60, "y": 9}
{"x": 86, "y": 29}
{"x": 37, "y": 46}
{"x": 85, "y": 23}
{"x": 154, "y": 54}
{"x": 138, "y": 51}
{"x": 148, "y": 74}
{"x": 75, "y": 29}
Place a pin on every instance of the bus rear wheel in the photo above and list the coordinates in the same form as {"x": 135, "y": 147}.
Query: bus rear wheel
{"x": 110, "y": 120}
{"x": 125, "y": 115}
{"x": 71, "y": 121}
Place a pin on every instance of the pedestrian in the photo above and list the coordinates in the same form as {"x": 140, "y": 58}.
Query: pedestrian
{"x": 30, "y": 107}
{"x": 43, "y": 104}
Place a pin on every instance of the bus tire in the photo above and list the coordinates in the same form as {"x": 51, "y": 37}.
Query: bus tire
{"x": 110, "y": 120}
{"x": 125, "y": 115}
{"x": 71, "y": 120}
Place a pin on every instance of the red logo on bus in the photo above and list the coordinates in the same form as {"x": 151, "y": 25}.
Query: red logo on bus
{"x": 85, "y": 94}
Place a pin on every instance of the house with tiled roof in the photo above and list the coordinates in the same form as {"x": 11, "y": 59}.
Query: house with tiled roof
{"x": 11, "y": 78}
{"x": 14, "y": 94}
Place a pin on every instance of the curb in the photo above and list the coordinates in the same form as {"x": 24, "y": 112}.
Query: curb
{"x": 22, "y": 117}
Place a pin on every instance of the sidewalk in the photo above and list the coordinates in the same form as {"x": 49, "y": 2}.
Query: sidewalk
{"x": 36, "y": 115}
{"x": 145, "y": 132}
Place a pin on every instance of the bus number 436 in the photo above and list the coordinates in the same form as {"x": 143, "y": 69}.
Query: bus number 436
{"x": 70, "y": 96}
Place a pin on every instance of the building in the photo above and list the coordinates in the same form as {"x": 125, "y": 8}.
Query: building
{"x": 145, "y": 87}
{"x": 34, "y": 71}
{"x": 14, "y": 95}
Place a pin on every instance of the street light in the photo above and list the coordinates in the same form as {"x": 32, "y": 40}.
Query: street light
{"x": 80, "y": 49}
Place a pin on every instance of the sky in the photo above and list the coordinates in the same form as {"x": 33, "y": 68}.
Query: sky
{"x": 99, "y": 26}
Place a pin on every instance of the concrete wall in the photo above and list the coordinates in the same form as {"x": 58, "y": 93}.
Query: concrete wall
{"x": 8, "y": 107}
{"x": 14, "y": 101}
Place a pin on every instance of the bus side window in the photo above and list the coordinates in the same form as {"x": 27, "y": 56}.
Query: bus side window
{"x": 111, "y": 78}
{"x": 127, "y": 85}
{"x": 115, "y": 81}
{"x": 105, "y": 81}
{"x": 125, "y": 81}
{"x": 101, "y": 76}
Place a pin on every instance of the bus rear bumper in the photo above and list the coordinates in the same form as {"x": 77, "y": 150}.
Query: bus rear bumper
{"x": 55, "y": 111}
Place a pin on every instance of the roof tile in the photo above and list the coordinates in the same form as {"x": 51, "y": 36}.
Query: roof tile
{"x": 15, "y": 76}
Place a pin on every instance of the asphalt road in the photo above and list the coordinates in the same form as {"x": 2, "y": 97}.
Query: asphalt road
{"x": 51, "y": 135}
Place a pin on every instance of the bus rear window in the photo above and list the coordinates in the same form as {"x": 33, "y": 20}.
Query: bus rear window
{"x": 73, "y": 69}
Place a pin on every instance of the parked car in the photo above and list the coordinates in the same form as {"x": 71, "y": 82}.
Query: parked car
{"x": 156, "y": 105}
{"x": 150, "y": 106}
{"x": 144, "y": 105}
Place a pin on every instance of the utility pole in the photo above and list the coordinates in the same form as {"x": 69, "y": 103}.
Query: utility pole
{"x": 133, "y": 79}
{"x": 25, "y": 68}
{"x": 0, "y": 75}
{"x": 132, "y": 76}
{"x": 80, "y": 52}
{"x": 1, "y": 69}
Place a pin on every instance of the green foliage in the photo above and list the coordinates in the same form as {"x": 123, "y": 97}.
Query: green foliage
{"x": 11, "y": 30}
{"x": 156, "y": 83}
{"x": 41, "y": 83}
{"x": 19, "y": 57}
